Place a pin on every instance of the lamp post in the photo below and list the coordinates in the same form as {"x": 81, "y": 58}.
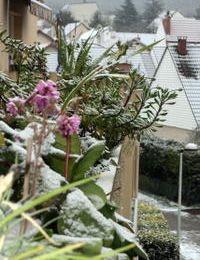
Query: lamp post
{"x": 188, "y": 147}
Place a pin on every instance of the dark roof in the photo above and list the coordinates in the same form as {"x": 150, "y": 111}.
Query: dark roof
{"x": 188, "y": 69}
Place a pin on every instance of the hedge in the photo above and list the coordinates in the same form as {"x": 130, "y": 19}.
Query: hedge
{"x": 154, "y": 234}
{"x": 159, "y": 170}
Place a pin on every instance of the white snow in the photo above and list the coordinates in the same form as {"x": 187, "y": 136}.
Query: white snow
{"x": 87, "y": 141}
{"x": 50, "y": 179}
{"x": 93, "y": 242}
{"x": 189, "y": 250}
{"x": 124, "y": 233}
{"x": 41, "y": 4}
{"x": 7, "y": 129}
{"x": 159, "y": 202}
{"x": 107, "y": 178}
{"x": 77, "y": 205}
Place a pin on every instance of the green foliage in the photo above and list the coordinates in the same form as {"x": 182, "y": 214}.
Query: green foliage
{"x": 9, "y": 88}
{"x": 124, "y": 236}
{"x": 29, "y": 63}
{"x": 117, "y": 108}
{"x": 126, "y": 19}
{"x": 154, "y": 234}
{"x": 112, "y": 105}
{"x": 81, "y": 218}
{"x": 159, "y": 169}
{"x": 84, "y": 163}
{"x": 90, "y": 247}
{"x": 95, "y": 194}
{"x": 56, "y": 159}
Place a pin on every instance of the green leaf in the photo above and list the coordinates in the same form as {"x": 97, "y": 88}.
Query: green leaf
{"x": 95, "y": 194}
{"x": 109, "y": 210}
{"x": 147, "y": 48}
{"x": 56, "y": 162}
{"x": 2, "y": 140}
{"x": 124, "y": 237}
{"x": 87, "y": 161}
{"x": 31, "y": 204}
{"x": 75, "y": 144}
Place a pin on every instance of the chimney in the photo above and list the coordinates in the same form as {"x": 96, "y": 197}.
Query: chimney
{"x": 182, "y": 46}
{"x": 167, "y": 24}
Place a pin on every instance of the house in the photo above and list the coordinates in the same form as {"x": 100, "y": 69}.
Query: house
{"x": 73, "y": 31}
{"x": 107, "y": 37}
{"x": 82, "y": 11}
{"x": 179, "y": 68}
{"x": 173, "y": 25}
{"x": 19, "y": 19}
{"x": 43, "y": 37}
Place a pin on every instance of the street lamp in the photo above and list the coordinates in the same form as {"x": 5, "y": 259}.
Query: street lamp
{"x": 188, "y": 147}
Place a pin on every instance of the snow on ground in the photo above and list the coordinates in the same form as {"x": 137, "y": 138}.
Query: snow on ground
{"x": 189, "y": 249}
{"x": 159, "y": 202}
{"x": 107, "y": 178}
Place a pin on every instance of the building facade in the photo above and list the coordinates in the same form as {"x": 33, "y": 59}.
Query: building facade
{"x": 19, "y": 20}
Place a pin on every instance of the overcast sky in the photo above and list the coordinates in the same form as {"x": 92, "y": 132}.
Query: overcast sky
{"x": 186, "y": 6}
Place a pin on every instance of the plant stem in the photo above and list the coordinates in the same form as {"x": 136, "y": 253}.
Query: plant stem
{"x": 27, "y": 180}
{"x": 38, "y": 147}
{"x": 67, "y": 157}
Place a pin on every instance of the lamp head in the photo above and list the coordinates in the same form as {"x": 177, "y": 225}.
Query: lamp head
{"x": 191, "y": 147}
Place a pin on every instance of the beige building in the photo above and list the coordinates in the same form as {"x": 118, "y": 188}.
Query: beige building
{"x": 19, "y": 19}
{"x": 73, "y": 31}
{"x": 83, "y": 11}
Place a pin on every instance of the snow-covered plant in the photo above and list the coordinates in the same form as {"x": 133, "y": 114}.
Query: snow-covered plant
{"x": 120, "y": 107}
{"x": 40, "y": 107}
{"x": 29, "y": 64}
{"x": 68, "y": 126}
{"x": 112, "y": 105}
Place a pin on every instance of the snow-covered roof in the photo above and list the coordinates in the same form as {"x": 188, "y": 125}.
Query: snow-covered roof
{"x": 41, "y": 4}
{"x": 173, "y": 14}
{"x": 107, "y": 38}
{"x": 188, "y": 69}
{"x": 46, "y": 31}
{"x": 157, "y": 54}
{"x": 41, "y": 10}
{"x": 91, "y": 33}
{"x": 144, "y": 38}
{"x": 186, "y": 27}
{"x": 70, "y": 27}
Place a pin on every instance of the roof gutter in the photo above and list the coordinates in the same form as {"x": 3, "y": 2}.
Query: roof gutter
{"x": 40, "y": 10}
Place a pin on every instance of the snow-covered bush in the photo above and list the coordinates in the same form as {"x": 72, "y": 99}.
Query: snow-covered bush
{"x": 154, "y": 234}
{"x": 159, "y": 168}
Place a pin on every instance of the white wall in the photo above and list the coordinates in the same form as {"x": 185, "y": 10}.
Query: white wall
{"x": 83, "y": 12}
{"x": 180, "y": 114}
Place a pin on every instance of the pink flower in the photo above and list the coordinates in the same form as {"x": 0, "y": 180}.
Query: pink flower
{"x": 40, "y": 102}
{"x": 11, "y": 108}
{"x": 68, "y": 125}
{"x": 45, "y": 97}
{"x": 47, "y": 89}
{"x": 15, "y": 106}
